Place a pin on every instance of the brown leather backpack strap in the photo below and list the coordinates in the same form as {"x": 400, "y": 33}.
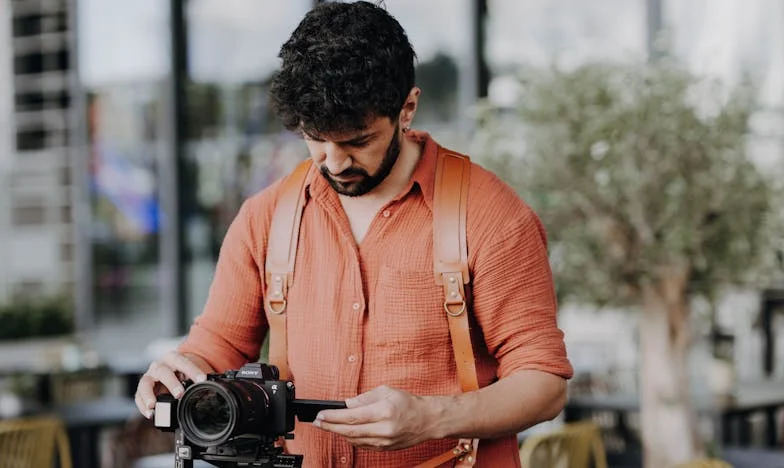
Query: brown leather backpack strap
{"x": 279, "y": 265}
{"x": 450, "y": 257}
{"x": 450, "y": 260}
{"x": 465, "y": 453}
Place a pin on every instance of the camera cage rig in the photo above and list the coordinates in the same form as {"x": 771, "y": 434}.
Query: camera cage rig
{"x": 266, "y": 455}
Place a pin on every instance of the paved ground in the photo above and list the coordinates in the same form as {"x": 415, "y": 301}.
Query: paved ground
{"x": 738, "y": 458}
{"x": 751, "y": 458}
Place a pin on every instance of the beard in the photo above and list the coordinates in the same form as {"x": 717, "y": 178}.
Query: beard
{"x": 360, "y": 181}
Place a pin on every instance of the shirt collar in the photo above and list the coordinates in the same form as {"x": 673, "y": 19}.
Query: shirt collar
{"x": 425, "y": 171}
{"x": 315, "y": 185}
{"x": 423, "y": 176}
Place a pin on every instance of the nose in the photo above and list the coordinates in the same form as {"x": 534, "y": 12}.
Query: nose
{"x": 335, "y": 158}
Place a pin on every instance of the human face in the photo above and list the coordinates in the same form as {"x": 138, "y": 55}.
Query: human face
{"x": 355, "y": 163}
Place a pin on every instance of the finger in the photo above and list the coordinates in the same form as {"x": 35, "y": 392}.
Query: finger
{"x": 377, "y": 430}
{"x": 359, "y": 415}
{"x": 371, "y": 443}
{"x": 145, "y": 394}
{"x": 178, "y": 362}
{"x": 143, "y": 409}
{"x": 159, "y": 372}
{"x": 370, "y": 397}
{"x": 168, "y": 378}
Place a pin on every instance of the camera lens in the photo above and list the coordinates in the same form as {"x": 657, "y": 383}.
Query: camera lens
{"x": 212, "y": 412}
{"x": 207, "y": 413}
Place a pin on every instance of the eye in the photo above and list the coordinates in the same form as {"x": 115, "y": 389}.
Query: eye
{"x": 358, "y": 144}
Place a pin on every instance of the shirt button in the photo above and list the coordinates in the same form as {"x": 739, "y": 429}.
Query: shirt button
{"x": 352, "y": 358}
{"x": 355, "y": 306}
{"x": 386, "y": 213}
{"x": 343, "y": 460}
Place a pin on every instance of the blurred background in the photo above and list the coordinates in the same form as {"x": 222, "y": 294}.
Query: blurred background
{"x": 130, "y": 132}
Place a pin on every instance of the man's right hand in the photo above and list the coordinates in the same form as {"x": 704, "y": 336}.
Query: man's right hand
{"x": 166, "y": 375}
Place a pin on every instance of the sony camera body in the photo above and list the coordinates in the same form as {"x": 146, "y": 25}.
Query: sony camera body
{"x": 236, "y": 418}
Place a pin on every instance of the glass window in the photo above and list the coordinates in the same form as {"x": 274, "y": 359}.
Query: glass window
{"x": 734, "y": 40}
{"x": 234, "y": 145}
{"x": 123, "y": 42}
{"x": 565, "y": 33}
{"x": 442, "y": 38}
{"x": 124, "y": 69}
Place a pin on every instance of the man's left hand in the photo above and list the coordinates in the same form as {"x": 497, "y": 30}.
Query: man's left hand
{"x": 381, "y": 419}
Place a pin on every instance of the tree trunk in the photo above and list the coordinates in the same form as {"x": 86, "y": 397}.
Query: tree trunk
{"x": 669, "y": 427}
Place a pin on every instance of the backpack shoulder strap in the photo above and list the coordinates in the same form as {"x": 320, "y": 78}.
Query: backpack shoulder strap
{"x": 450, "y": 256}
{"x": 450, "y": 265}
{"x": 279, "y": 264}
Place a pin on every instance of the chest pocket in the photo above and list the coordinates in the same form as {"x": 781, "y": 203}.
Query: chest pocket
{"x": 409, "y": 312}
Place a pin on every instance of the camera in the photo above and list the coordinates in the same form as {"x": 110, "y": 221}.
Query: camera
{"x": 236, "y": 418}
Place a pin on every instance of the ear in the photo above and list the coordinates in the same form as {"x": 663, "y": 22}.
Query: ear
{"x": 409, "y": 108}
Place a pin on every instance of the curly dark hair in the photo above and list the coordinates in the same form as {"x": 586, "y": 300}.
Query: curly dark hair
{"x": 343, "y": 64}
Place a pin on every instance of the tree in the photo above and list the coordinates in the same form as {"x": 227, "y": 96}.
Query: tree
{"x": 641, "y": 176}
{"x": 439, "y": 77}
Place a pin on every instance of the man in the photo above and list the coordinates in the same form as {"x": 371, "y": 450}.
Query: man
{"x": 365, "y": 319}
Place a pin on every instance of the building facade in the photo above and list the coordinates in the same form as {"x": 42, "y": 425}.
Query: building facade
{"x": 36, "y": 163}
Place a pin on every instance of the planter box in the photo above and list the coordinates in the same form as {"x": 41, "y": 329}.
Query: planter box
{"x": 35, "y": 354}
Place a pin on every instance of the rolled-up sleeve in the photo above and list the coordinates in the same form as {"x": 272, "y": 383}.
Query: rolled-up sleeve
{"x": 232, "y": 326}
{"x": 514, "y": 296}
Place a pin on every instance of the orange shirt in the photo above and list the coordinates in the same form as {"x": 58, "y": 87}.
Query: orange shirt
{"x": 365, "y": 315}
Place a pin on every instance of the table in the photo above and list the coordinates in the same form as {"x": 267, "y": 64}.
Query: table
{"x": 85, "y": 421}
{"x": 730, "y": 415}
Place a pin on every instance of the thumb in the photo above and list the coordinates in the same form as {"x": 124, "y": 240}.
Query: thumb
{"x": 367, "y": 398}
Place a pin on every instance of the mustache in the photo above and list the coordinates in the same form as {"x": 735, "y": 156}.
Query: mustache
{"x": 351, "y": 171}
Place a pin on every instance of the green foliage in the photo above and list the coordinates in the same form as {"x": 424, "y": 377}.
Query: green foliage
{"x": 36, "y": 318}
{"x": 634, "y": 170}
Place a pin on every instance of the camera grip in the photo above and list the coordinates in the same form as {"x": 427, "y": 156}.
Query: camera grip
{"x": 306, "y": 410}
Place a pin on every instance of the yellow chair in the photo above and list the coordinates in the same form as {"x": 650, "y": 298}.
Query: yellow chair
{"x": 576, "y": 445}
{"x": 32, "y": 443}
